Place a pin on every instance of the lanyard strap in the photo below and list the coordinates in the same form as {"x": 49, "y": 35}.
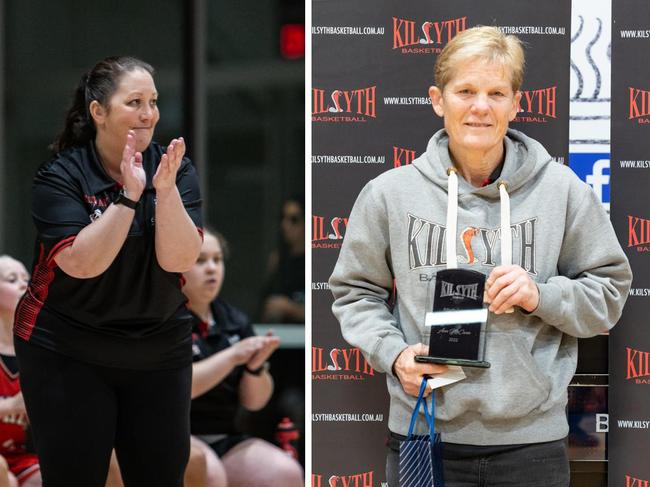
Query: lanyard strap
{"x": 430, "y": 418}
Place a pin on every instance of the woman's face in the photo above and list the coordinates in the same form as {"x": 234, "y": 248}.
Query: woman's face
{"x": 293, "y": 224}
{"x": 477, "y": 104}
{"x": 204, "y": 280}
{"x": 13, "y": 284}
{"x": 133, "y": 106}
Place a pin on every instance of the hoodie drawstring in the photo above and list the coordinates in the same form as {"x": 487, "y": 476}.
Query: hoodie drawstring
{"x": 506, "y": 234}
{"x": 452, "y": 221}
{"x": 452, "y": 218}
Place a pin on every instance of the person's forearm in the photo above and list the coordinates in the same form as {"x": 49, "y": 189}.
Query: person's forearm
{"x": 177, "y": 241}
{"x": 255, "y": 390}
{"x": 95, "y": 247}
{"x": 209, "y": 372}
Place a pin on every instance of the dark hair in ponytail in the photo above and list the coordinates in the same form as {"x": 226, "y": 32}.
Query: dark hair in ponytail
{"x": 100, "y": 83}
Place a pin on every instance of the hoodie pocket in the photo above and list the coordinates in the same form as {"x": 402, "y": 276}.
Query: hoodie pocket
{"x": 512, "y": 387}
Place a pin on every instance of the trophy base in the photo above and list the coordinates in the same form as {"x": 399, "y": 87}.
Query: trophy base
{"x": 452, "y": 361}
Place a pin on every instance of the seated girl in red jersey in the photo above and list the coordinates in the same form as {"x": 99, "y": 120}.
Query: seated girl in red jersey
{"x": 17, "y": 465}
{"x": 230, "y": 371}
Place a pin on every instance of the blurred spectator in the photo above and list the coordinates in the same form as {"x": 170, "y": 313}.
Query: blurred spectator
{"x": 284, "y": 300}
{"x": 17, "y": 465}
{"x": 230, "y": 370}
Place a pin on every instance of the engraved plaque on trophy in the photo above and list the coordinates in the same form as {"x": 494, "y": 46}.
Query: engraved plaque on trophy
{"x": 458, "y": 320}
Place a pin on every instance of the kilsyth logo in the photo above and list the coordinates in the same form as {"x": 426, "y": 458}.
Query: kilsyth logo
{"x": 328, "y": 233}
{"x": 428, "y": 37}
{"x": 339, "y": 364}
{"x": 320, "y": 286}
{"x": 459, "y": 290}
{"x": 426, "y": 240}
{"x": 97, "y": 205}
{"x": 634, "y": 482}
{"x": 537, "y": 106}
{"x": 355, "y": 480}
{"x": 638, "y": 233}
{"x": 639, "y": 105}
{"x": 101, "y": 202}
{"x": 95, "y": 215}
{"x": 638, "y": 368}
{"x": 344, "y": 106}
{"x": 402, "y": 156}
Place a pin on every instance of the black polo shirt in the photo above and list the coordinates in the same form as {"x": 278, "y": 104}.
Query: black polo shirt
{"x": 214, "y": 412}
{"x": 131, "y": 316}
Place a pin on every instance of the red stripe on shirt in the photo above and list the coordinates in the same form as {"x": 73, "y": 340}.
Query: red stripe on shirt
{"x": 62, "y": 244}
{"x": 25, "y": 466}
{"x": 31, "y": 303}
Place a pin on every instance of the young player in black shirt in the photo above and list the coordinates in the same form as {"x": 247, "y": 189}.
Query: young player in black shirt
{"x": 102, "y": 334}
{"x": 229, "y": 372}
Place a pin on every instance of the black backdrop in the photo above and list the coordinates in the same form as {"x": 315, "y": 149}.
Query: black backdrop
{"x": 629, "y": 352}
{"x": 372, "y": 67}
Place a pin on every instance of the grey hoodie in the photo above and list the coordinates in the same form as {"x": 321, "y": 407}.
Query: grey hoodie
{"x": 560, "y": 235}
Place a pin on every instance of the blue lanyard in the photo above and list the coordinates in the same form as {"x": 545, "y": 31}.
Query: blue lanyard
{"x": 429, "y": 417}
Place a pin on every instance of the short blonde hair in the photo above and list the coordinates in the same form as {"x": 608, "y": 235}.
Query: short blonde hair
{"x": 483, "y": 43}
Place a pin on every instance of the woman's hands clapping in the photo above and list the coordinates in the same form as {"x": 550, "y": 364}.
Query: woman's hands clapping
{"x": 165, "y": 177}
{"x": 270, "y": 343}
{"x": 133, "y": 175}
{"x": 254, "y": 351}
{"x": 134, "y": 178}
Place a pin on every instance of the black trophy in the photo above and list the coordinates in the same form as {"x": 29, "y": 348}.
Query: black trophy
{"x": 458, "y": 320}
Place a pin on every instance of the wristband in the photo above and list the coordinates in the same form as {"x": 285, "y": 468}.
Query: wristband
{"x": 258, "y": 371}
{"x": 123, "y": 200}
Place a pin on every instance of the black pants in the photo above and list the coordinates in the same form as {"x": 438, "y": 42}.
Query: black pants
{"x": 534, "y": 465}
{"x": 80, "y": 412}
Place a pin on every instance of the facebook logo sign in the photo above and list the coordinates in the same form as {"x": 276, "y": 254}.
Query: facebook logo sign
{"x": 593, "y": 169}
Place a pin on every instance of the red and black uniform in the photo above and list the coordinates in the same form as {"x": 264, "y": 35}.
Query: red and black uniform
{"x": 135, "y": 310}
{"x": 213, "y": 413}
{"x": 22, "y": 463}
{"x": 114, "y": 349}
